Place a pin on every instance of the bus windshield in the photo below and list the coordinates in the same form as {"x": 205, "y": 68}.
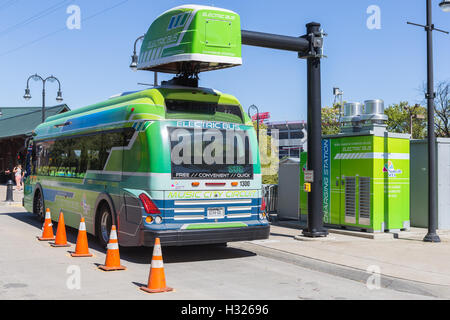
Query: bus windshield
{"x": 210, "y": 154}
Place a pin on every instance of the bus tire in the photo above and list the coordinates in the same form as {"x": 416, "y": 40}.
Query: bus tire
{"x": 104, "y": 223}
{"x": 38, "y": 205}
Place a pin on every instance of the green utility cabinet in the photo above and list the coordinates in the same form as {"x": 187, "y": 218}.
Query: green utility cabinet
{"x": 365, "y": 181}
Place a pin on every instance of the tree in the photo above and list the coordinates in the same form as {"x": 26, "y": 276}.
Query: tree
{"x": 401, "y": 115}
{"x": 442, "y": 109}
{"x": 268, "y": 154}
{"x": 330, "y": 120}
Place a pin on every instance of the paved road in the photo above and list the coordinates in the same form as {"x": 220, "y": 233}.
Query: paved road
{"x": 30, "y": 269}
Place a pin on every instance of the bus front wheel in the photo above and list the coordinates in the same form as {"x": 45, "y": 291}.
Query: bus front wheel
{"x": 104, "y": 224}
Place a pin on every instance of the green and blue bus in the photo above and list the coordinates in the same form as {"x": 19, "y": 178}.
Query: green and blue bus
{"x": 173, "y": 162}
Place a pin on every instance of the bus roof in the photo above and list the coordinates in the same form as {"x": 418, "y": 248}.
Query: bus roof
{"x": 151, "y": 103}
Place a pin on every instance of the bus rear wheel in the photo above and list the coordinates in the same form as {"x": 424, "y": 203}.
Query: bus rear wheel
{"x": 104, "y": 224}
{"x": 38, "y": 206}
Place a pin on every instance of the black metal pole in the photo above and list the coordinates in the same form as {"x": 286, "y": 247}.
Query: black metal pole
{"x": 9, "y": 191}
{"x": 257, "y": 126}
{"x": 308, "y": 46}
{"x": 431, "y": 235}
{"x": 314, "y": 129}
{"x": 43, "y": 102}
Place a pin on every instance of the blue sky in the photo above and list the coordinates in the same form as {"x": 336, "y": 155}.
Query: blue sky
{"x": 92, "y": 63}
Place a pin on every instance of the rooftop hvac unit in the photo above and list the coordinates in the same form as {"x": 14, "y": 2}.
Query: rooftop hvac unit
{"x": 351, "y": 119}
{"x": 374, "y": 113}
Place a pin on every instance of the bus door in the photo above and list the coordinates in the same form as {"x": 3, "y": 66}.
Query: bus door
{"x": 130, "y": 216}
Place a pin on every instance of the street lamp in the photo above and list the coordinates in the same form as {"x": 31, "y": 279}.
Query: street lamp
{"x": 257, "y": 119}
{"x": 412, "y": 115}
{"x": 338, "y": 93}
{"x": 36, "y": 77}
{"x": 431, "y": 236}
{"x": 135, "y": 59}
{"x": 445, "y": 6}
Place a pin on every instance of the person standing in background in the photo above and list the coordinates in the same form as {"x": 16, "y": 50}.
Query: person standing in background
{"x": 22, "y": 177}
{"x": 18, "y": 176}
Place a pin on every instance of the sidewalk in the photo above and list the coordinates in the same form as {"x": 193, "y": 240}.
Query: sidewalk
{"x": 406, "y": 257}
{"x": 17, "y": 197}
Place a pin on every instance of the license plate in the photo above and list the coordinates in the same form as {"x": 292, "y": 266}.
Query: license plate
{"x": 214, "y": 213}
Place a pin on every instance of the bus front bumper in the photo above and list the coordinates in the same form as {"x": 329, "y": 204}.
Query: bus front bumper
{"x": 205, "y": 236}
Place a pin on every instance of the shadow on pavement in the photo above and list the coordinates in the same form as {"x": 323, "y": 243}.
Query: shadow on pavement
{"x": 282, "y": 235}
{"x": 142, "y": 255}
{"x": 184, "y": 253}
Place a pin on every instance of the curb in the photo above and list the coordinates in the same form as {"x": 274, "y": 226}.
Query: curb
{"x": 10, "y": 204}
{"x": 345, "y": 232}
{"x": 387, "y": 282}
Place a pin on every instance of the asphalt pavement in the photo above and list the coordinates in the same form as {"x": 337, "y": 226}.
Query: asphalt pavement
{"x": 30, "y": 269}
{"x": 285, "y": 266}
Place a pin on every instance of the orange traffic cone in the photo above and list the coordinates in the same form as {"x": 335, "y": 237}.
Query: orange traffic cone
{"x": 47, "y": 229}
{"x": 156, "y": 278}
{"x": 112, "y": 261}
{"x": 81, "y": 249}
{"x": 61, "y": 239}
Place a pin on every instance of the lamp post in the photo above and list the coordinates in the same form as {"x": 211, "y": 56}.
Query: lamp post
{"x": 431, "y": 236}
{"x": 412, "y": 115}
{"x": 36, "y": 77}
{"x": 135, "y": 59}
{"x": 257, "y": 119}
{"x": 338, "y": 93}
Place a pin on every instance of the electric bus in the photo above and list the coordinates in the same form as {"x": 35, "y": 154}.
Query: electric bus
{"x": 178, "y": 163}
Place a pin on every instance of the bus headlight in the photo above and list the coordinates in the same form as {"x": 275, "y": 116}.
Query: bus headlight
{"x": 262, "y": 216}
{"x": 158, "y": 219}
{"x": 149, "y": 219}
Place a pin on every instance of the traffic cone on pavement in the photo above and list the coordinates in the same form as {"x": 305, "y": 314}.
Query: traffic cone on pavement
{"x": 82, "y": 249}
{"x": 112, "y": 261}
{"x": 61, "y": 239}
{"x": 47, "y": 229}
{"x": 156, "y": 278}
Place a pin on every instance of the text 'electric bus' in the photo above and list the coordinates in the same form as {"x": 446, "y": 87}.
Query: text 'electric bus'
{"x": 177, "y": 163}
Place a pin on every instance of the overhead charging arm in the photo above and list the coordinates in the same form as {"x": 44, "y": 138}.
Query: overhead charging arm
{"x": 308, "y": 47}
{"x": 274, "y": 41}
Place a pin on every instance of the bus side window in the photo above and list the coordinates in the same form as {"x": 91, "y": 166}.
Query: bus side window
{"x": 33, "y": 159}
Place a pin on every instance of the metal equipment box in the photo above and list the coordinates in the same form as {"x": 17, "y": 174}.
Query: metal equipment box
{"x": 419, "y": 183}
{"x": 365, "y": 181}
{"x": 288, "y": 189}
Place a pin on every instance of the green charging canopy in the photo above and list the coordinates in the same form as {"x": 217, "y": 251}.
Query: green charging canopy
{"x": 192, "y": 38}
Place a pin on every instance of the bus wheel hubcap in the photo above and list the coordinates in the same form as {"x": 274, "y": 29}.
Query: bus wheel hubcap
{"x": 105, "y": 226}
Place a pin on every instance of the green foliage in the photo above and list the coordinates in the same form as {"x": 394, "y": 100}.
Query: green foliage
{"x": 330, "y": 120}
{"x": 400, "y": 116}
{"x": 268, "y": 153}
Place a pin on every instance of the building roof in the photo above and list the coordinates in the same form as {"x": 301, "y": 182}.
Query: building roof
{"x": 291, "y": 125}
{"x": 17, "y": 121}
